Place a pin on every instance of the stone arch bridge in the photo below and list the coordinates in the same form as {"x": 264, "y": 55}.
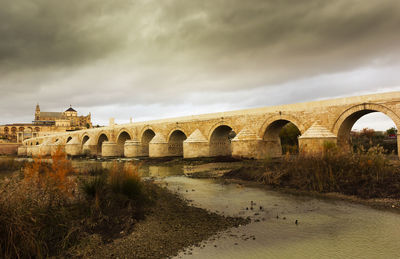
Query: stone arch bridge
{"x": 252, "y": 133}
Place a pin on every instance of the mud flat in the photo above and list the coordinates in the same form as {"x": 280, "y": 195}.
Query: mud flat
{"x": 170, "y": 226}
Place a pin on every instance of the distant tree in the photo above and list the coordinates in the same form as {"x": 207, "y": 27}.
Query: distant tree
{"x": 289, "y": 135}
{"x": 391, "y": 132}
{"x": 368, "y": 138}
{"x": 369, "y": 133}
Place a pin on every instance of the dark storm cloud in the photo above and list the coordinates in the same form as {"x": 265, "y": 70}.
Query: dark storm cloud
{"x": 43, "y": 32}
{"x": 132, "y": 54}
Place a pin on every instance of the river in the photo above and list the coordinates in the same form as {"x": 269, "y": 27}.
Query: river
{"x": 326, "y": 228}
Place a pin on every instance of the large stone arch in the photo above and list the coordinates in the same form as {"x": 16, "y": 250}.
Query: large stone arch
{"x": 68, "y": 139}
{"x": 146, "y": 135}
{"x": 219, "y": 138}
{"x": 175, "y": 141}
{"x": 100, "y": 138}
{"x": 343, "y": 124}
{"x": 85, "y": 138}
{"x": 123, "y": 135}
{"x": 222, "y": 123}
{"x": 269, "y": 132}
{"x": 126, "y": 130}
{"x": 175, "y": 129}
{"x": 281, "y": 117}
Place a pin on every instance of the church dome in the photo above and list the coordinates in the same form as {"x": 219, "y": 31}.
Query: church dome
{"x": 70, "y": 109}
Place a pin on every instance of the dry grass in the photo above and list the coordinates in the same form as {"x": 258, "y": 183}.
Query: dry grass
{"x": 44, "y": 211}
{"x": 34, "y": 216}
{"x": 364, "y": 174}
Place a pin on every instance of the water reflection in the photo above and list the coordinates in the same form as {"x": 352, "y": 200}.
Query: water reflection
{"x": 145, "y": 170}
{"x": 326, "y": 229}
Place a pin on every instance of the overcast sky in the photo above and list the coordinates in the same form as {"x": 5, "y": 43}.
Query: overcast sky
{"x": 150, "y": 59}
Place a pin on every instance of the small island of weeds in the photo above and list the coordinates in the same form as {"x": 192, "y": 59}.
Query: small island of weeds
{"x": 49, "y": 209}
{"x": 364, "y": 174}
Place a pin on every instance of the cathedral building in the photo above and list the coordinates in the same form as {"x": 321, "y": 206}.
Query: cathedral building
{"x": 45, "y": 123}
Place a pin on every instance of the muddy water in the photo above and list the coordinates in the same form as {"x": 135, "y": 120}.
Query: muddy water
{"x": 325, "y": 229}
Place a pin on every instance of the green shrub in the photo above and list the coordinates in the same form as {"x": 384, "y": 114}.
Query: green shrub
{"x": 94, "y": 185}
{"x": 10, "y": 164}
{"x": 96, "y": 171}
{"x": 126, "y": 181}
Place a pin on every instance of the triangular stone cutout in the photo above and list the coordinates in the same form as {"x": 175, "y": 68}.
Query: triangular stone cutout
{"x": 196, "y": 136}
{"x": 317, "y": 131}
{"x": 158, "y": 139}
{"x": 246, "y": 134}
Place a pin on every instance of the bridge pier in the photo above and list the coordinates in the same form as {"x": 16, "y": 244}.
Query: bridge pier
{"x": 247, "y": 144}
{"x": 158, "y": 146}
{"x": 196, "y": 145}
{"x": 22, "y": 151}
{"x": 315, "y": 140}
{"x": 35, "y": 151}
{"x": 273, "y": 148}
{"x": 58, "y": 145}
{"x": 29, "y": 151}
{"x": 89, "y": 148}
{"x": 398, "y": 145}
{"x": 45, "y": 149}
{"x": 132, "y": 148}
{"x": 111, "y": 149}
{"x": 73, "y": 147}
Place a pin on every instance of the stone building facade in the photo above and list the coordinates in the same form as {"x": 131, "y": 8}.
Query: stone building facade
{"x": 45, "y": 123}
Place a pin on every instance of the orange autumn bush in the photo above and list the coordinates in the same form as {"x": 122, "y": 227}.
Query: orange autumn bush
{"x": 49, "y": 208}
{"x": 45, "y": 175}
{"x": 37, "y": 212}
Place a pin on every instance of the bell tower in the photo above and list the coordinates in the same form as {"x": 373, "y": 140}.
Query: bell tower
{"x": 37, "y": 112}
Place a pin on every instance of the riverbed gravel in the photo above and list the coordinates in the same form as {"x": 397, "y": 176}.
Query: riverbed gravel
{"x": 169, "y": 227}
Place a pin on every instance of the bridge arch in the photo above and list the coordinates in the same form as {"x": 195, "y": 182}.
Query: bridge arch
{"x": 101, "y": 137}
{"x": 68, "y": 139}
{"x": 219, "y": 139}
{"x": 271, "y": 129}
{"x": 175, "y": 142}
{"x": 146, "y": 136}
{"x": 122, "y": 137}
{"x": 283, "y": 117}
{"x": 85, "y": 138}
{"x": 344, "y": 123}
